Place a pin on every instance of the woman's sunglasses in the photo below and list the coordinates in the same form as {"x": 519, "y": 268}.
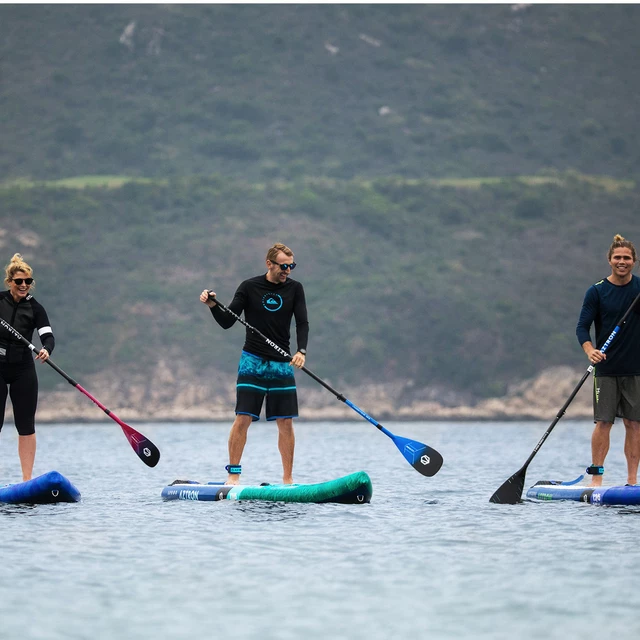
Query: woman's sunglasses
{"x": 19, "y": 281}
{"x": 286, "y": 266}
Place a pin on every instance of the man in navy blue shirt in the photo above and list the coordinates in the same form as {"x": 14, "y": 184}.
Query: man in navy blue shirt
{"x": 616, "y": 388}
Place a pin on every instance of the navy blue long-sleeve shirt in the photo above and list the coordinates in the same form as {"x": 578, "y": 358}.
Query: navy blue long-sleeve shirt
{"x": 268, "y": 307}
{"x": 604, "y": 305}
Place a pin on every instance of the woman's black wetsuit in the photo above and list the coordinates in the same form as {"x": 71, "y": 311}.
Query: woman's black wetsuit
{"x": 17, "y": 368}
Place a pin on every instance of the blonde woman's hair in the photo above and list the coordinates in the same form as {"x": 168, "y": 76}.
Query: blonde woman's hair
{"x": 273, "y": 252}
{"x": 16, "y": 264}
{"x": 619, "y": 242}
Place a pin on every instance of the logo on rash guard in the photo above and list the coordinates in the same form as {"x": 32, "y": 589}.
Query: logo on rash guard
{"x": 272, "y": 301}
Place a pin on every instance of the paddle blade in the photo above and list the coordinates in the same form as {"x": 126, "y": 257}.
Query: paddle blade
{"x": 511, "y": 491}
{"x": 421, "y": 457}
{"x": 144, "y": 448}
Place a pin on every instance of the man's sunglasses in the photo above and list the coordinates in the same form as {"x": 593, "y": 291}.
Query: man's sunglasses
{"x": 19, "y": 281}
{"x": 286, "y": 266}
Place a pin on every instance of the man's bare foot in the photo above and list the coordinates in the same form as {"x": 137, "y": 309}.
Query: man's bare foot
{"x": 233, "y": 478}
{"x": 287, "y": 480}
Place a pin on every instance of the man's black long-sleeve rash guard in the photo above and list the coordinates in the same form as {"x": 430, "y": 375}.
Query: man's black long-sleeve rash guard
{"x": 268, "y": 307}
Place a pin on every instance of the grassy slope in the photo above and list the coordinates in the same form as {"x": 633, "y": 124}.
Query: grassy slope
{"x": 474, "y": 285}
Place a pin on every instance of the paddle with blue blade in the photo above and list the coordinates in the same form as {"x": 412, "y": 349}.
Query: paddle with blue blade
{"x": 421, "y": 457}
{"x": 510, "y": 492}
{"x": 143, "y": 447}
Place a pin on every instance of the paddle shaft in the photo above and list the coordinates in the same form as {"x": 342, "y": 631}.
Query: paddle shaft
{"x": 143, "y": 447}
{"x": 310, "y": 373}
{"x": 591, "y": 367}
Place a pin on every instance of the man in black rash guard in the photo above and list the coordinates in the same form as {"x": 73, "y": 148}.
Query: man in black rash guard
{"x": 616, "y": 380}
{"x": 17, "y": 371}
{"x": 268, "y": 302}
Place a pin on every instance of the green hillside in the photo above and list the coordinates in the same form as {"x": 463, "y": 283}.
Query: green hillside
{"x": 471, "y": 286}
{"x": 283, "y": 91}
{"x": 449, "y": 177}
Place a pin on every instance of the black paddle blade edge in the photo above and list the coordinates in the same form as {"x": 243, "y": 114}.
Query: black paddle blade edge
{"x": 423, "y": 459}
{"x": 510, "y": 492}
{"x": 147, "y": 452}
{"x": 432, "y": 467}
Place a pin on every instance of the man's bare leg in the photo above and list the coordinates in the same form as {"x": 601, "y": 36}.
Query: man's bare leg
{"x": 599, "y": 448}
{"x": 237, "y": 440}
{"x": 632, "y": 449}
{"x": 286, "y": 446}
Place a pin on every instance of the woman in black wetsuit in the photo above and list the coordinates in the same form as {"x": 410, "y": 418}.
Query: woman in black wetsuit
{"x": 17, "y": 370}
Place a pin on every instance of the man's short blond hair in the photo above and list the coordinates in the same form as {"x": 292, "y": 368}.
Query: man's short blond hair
{"x": 273, "y": 252}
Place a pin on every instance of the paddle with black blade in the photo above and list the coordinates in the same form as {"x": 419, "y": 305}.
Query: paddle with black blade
{"x": 144, "y": 448}
{"x": 421, "y": 457}
{"x": 511, "y": 491}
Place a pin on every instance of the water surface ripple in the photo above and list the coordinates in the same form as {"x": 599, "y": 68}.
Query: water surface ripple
{"x": 429, "y": 556}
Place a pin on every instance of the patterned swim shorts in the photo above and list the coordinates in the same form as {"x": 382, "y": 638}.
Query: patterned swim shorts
{"x": 258, "y": 378}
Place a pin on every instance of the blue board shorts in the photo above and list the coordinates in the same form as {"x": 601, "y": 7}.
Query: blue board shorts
{"x": 258, "y": 378}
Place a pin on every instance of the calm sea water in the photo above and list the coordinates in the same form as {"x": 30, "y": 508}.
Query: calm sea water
{"x": 429, "y": 557}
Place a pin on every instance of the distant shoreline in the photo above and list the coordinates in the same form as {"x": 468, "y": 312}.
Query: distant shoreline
{"x": 537, "y": 399}
{"x": 355, "y": 420}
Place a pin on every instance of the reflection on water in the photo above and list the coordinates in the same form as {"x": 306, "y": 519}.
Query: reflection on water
{"x": 15, "y": 510}
{"x": 272, "y": 511}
